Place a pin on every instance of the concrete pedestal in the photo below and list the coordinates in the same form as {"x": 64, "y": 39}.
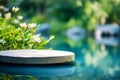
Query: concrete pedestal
{"x": 36, "y": 56}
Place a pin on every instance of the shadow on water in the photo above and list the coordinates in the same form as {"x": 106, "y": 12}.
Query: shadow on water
{"x": 37, "y": 70}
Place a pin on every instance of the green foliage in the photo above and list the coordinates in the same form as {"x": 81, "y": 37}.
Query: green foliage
{"x": 112, "y": 9}
{"x": 85, "y": 13}
{"x": 19, "y": 35}
{"x": 38, "y": 19}
{"x": 5, "y": 77}
{"x": 63, "y": 14}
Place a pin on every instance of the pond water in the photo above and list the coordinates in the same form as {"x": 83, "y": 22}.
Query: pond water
{"x": 94, "y": 61}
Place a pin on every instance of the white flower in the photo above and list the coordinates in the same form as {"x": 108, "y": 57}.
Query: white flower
{"x": 16, "y": 21}
{"x": 7, "y": 15}
{"x": 1, "y": 7}
{"x": 36, "y": 38}
{"x": 20, "y": 17}
{"x": 23, "y": 25}
{"x": 0, "y": 14}
{"x": 32, "y": 25}
{"x": 15, "y": 9}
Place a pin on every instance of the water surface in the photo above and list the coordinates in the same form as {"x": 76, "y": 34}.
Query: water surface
{"x": 94, "y": 61}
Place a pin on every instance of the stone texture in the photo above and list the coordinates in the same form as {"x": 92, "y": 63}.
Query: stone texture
{"x": 36, "y": 56}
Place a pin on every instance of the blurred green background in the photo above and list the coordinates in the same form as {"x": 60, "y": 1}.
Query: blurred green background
{"x": 63, "y": 14}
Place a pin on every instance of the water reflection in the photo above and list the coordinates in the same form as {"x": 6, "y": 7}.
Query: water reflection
{"x": 108, "y": 34}
{"x": 37, "y": 70}
{"x": 93, "y": 62}
{"x": 76, "y": 33}
{"x": 109, "y": 41}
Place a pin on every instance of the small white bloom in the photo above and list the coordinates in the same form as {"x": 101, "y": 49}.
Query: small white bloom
{"x": 15, "y": 9}
{"x": 32, "y": 25}
{"x": 16, "y": 21}
{"x": 7, "y": 15}
{"x": 1, "y": 7}
{"x": 0, "y": 14}
{"x": 23, "y": 25}
{"x": 20, "y": 17}
{"x": 36, "y": 38}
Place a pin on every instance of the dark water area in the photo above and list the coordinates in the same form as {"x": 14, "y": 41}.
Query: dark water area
{"x": 94, "y": 61}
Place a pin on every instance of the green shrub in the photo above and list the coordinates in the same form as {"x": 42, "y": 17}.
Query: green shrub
{"x": 18, "y": 34}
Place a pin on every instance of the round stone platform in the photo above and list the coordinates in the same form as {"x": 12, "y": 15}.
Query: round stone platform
{"x": 36, "y": 56}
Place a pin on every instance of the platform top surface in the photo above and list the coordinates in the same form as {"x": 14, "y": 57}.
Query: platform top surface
{"x": 35, "y": 53}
